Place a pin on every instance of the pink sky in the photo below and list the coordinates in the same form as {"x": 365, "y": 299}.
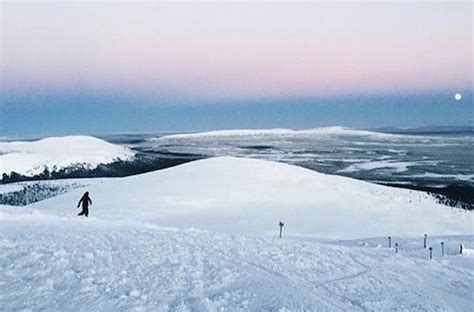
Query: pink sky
{"x": 218, "y": 51}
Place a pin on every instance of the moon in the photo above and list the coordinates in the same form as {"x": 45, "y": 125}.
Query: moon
{"x": 458, "y": 96}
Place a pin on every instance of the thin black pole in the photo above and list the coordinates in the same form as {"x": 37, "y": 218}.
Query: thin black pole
{"x": 281, "y": 224}
{"x": 431, "y": 253}
{"x": 424, "y": 241}
{"x": 389, "y": 242}
{"x": 396, "y": 247}
{"x": 442, "y": 249}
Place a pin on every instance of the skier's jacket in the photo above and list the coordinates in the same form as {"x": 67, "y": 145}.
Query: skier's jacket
{"x": 85, "y": 199}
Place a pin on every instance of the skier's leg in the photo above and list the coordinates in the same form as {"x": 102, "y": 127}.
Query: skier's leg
{"x": 86, "y": 212}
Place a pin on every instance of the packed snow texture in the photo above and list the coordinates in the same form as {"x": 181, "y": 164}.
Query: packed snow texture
{"x": 204, "y": 237}
{"x": 56, "y": 153}
{"x": 53, "y": 263}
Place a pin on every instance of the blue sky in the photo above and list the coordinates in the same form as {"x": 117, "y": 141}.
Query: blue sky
{"x": 59, "y": 115}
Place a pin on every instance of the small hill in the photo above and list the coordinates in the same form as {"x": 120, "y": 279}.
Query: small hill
{"x": 248, "y": 196}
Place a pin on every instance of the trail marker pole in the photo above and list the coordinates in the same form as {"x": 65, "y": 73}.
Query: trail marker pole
{"x": 424, "y": 241}
{"x": 442, "y": 249}
{"x": 281, "y": 224}
{"x": 431, "y": 253}
{"x": 461, "y": 247}
{"x": 396, "y": 248}
{"x": 389, "y": 242}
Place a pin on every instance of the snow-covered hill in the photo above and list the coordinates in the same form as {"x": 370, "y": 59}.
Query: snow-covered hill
{"x": 248, "y": 196}
{"x": 204, "y": 237}
{"x": 57, "y": 153}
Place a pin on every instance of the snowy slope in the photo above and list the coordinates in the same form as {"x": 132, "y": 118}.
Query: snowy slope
{"x": 203, "y": 237}
{"x": 52, "y": 263}
{"x": 56, "y": 153}
{"x": 250, "y": 196}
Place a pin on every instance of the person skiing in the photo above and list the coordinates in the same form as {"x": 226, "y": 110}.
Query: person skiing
{"x": 86, "y": 200}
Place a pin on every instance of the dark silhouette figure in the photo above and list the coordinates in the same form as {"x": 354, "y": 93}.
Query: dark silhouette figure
{"x": 86, "y": 200}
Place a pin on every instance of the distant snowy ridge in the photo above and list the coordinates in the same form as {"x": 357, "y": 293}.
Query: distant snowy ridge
{"x": 249, "y": 196}
{"x": 328, "y": 131}
{"x": 57, "y": 153}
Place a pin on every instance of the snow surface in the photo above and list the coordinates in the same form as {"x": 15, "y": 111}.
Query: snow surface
{"x": 400, "y": 166}
{"x": 203, "y": 237}
{"x": 56, "y": 153}
{"x": 27, "y": 192}
{"x": 53, "y": 263}
{"x": 396, "y": 166}
{"x": 245, "y": 196}
{"x": 324, "y": 131}
{"x": 10, "y": 188}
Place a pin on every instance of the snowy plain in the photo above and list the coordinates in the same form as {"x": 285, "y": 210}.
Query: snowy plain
{"x": 203, "y": 236}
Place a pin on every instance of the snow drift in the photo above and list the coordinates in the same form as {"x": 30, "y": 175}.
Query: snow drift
{"x": 248, "y": 196}
{"x": 56, "y": 153}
